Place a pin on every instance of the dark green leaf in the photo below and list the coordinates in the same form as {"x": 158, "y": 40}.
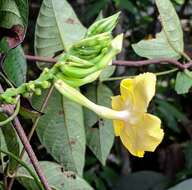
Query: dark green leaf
{"x": 170, "y": 114}
{"x": 13, "y": 23}
{"x": 9, "y": 141}
{"x": 15, "y": 66}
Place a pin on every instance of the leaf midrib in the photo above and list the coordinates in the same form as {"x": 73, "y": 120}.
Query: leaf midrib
{"x": 60, "y": 33}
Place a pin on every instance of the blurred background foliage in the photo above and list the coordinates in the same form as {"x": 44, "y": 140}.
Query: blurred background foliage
{"x": 172, "y": 161}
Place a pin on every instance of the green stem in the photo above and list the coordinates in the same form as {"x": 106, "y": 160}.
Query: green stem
{"x": 6, "y": 79}
{"x": 116, "y": 78}
{"x": 9, "y": 119}
{"x": 166, "y": 72}
{"x": 25, "y": 166}
{"x": 186, "y": 56}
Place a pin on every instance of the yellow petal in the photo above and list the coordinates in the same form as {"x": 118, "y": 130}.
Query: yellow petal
{"x": 117, "y": 104}
{"x": 145, "y": 135}
{"x": 139, "y": 91}
{"x": 144, "y": 90}
{"x": 127, "y": 92}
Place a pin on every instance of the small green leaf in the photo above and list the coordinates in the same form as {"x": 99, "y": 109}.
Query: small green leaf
{"x": 15, "y": 66}
{"x": 169, "y": 42}
{"x": 107, "y": 72}
{"x": 57, "y": 177}
{"x": 61, "y": 131}
{"x": 100, "y": 140}
{"x": 183, "y": 82}
{"x": 57, "y": 28}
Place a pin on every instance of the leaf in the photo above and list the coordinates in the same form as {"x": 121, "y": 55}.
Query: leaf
{"x": 143, "y": 180}
{"x": 169, "y": 42}
{"x": 95, "y": 8}
{"x": 13, "y": 23}
{"x": 170, "y": 114}
{"x": 27, "y": 110}
{"x": 57, "y": 178}
{"x": 15, "y": 66}
{"x": 126, "y": 4}
{"x": 61, "y": 131}
{"x": 57, "y": 28}
{"x": 9, "y": 141}
{"x": 183, "y": 82}
{"x": 100, "y": 140}
{"x": 180, "y": 2}
{"x": 185, "y": 185}
{"x": 107, "y": 72}
{"x": 90, "y": 117}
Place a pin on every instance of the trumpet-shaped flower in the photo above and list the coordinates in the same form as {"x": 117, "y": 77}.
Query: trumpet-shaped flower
{"x": 141, "y": 131}
{"x": 138, "y": 130}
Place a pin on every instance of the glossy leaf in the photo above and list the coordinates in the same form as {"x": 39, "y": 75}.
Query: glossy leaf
{"x": 61, "y": 131}
{"x": 15, "y": 66}
{"x": 13, "y": 23}
{"x": 57, "y": 178}
{"x": 100, "y": 140}
{"x": 169, "y": 42}
{"x": 57, "y": 28}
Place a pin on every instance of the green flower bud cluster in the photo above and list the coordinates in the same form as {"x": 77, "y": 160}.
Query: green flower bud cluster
{"x": 82, "y": 64}
{"x": 26, "y": 89}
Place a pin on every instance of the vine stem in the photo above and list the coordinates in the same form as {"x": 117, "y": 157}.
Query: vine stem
{"x": 20, "y": 132}
{"x": 30, "y": 153}
{"x": 43, "y": 106}
{"x": 124, "y": 62}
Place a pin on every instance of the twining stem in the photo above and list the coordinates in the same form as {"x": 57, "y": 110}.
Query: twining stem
{"x": 166, "y": 72}
{"x": 31, "y": 154}
{"x": 15, "y": 113}
{"x": 127, "y": 63}
{"x": 22, "y": 136}
{"x": 43, "y": 106}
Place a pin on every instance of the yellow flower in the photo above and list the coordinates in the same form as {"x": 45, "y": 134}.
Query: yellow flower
{"x": 140, "y": 131}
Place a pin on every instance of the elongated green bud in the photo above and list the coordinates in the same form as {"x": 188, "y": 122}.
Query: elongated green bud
{"x": 103, "y": 25}
{"x": 93, "y": 40}
{"x": 76, "y": 72}
{"x": 75, "y": 82}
